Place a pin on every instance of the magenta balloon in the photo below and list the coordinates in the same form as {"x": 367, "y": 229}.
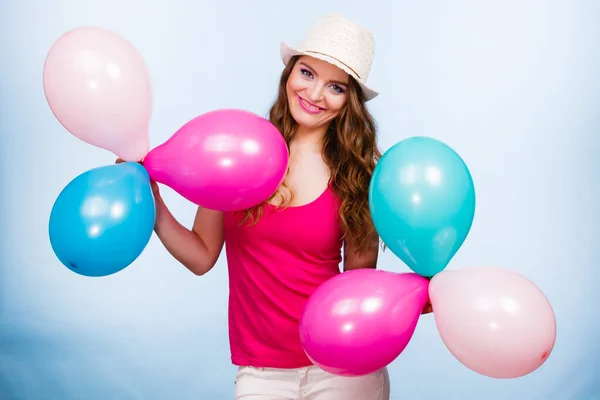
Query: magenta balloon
{"x": 361, "y": 320}
{"x": 225, "y": 160}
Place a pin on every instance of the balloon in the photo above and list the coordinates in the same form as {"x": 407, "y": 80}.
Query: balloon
{"x": 493, "y": 320}
{"x": 422, "y": 202}
{"x": 98, "y": 87}
{"x": 103, "y": 219}
{"x": 361, "y": 320}
{"x": 225, "y": 160}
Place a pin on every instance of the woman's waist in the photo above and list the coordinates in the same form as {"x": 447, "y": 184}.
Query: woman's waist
{"x": 266, "y": 339}
{"x": 281, "y": 265}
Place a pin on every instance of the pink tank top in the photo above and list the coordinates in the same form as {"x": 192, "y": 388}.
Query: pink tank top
{"x": 274, "y": 267}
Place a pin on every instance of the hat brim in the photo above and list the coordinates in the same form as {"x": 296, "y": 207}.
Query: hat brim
{"x": 287, "y": 52}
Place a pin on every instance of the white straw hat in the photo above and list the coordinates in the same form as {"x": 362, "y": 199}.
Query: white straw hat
{"x": 340, "y": 42}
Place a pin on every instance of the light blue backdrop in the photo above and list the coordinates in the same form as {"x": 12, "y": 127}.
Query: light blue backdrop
{"x": 513, "y": 86}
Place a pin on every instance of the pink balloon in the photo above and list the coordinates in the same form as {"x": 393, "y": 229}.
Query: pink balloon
{"x": 493, "y": 320}
{"x": 361, "y": 320}
{"x": 225, "y": 160}
{"x": 98, "y": 87}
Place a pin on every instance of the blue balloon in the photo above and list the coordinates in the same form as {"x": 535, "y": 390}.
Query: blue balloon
{"x": 103, "y": 219}
{"x": 422, "y": 202}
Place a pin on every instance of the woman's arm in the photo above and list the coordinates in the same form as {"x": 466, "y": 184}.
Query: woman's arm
{"x": 197, "y": 249}
{"x": 368, "y": 259}
{"x": 355, "y": 260}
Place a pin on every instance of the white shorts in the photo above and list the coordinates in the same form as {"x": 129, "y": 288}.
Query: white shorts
{"x": 309, "y": 383}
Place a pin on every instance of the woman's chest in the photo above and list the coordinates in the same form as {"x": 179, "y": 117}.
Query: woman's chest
{"x": 307, "y": 179}
{"x": 314, "y": 228}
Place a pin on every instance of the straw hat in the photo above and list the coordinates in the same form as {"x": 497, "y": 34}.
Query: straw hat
{"x": 340, "y": 42}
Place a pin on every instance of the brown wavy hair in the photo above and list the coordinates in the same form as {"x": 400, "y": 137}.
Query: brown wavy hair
{"x": 349, "y": 150}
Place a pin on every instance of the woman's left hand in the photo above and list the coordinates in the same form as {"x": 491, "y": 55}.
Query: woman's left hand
{"x": 427, "y": 309}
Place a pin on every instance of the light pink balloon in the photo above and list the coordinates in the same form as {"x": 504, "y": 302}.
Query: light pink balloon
{"x": 225, "y": 160}
{"x": 493, "y": 320}
{"x": 361, "y": 320}
{"x": 98, "y": 87}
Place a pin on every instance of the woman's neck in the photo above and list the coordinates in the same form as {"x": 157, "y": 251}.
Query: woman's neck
{"x": 308, "y": 140}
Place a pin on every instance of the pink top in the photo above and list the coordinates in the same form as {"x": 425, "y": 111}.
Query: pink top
{"x": 274, "y": 266}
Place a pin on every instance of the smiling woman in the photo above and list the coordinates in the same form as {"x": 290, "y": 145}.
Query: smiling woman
{"x": 281, "y": 251}
{"x": 316, "y": 92}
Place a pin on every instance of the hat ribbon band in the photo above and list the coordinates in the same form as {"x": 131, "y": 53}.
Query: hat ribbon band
{"x": 341, "y": 62}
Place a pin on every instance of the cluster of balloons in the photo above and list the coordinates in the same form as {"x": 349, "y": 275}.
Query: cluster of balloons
{"x": 421, "y": 196}
{"x": 98, "y": 87}
{"x": 493, "y": 320}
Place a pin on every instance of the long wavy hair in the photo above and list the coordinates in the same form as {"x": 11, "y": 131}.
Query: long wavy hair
{"x": 349, "y": 150}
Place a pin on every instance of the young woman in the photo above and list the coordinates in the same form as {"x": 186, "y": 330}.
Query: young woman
{"x": 279, "y": 252}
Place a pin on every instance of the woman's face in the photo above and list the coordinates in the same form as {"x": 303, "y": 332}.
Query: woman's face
{"x": 316, "y": 92}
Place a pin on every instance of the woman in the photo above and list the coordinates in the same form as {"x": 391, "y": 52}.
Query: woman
{"x": 279, "y": 252}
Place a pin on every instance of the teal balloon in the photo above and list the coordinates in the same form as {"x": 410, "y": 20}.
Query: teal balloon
{"x": 103, "y": 219}
{"x": 422, "y": 202}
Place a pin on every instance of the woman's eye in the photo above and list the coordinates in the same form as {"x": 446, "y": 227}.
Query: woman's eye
{"x": 337, "y": 88}
{"x": 306, "y": 73}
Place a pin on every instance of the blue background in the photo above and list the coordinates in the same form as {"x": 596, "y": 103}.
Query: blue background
{"x": 514, "y": 87}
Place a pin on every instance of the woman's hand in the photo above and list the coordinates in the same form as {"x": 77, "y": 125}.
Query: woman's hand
{"x": 427, "y": 309}
{"x": 156, "y": 192}
{"x": 153, "y": 185}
